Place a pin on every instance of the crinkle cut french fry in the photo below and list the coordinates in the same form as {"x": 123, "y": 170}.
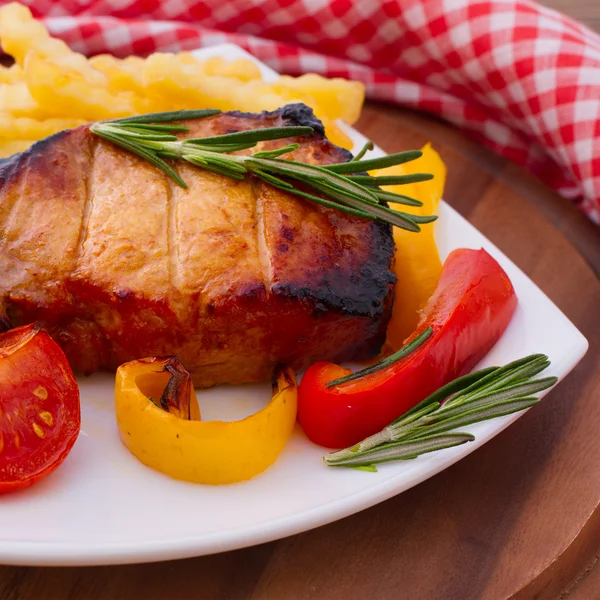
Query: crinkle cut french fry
{"x": 10, "y": 147}
{"x": 12, "y": 128}
{"x": 20, "y": 33}
{"x": 337, "y": 98}
{"x": 122, "y": 74}
{"x": 68, "y": 92}
{"x": 12, "y": 74}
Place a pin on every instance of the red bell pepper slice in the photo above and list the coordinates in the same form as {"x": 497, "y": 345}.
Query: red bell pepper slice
{"x": 468, "y": 312}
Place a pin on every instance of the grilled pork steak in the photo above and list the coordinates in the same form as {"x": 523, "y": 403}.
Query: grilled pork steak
{"x": 233, "y": 277}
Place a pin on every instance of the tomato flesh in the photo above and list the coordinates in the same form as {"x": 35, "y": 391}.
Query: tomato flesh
{"x": 39, "y": 407}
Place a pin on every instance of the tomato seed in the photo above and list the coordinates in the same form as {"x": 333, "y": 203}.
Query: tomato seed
{"x": 46, "y": 417}
{"x": 41, "y": 392}
{"x": 38, "y": 430}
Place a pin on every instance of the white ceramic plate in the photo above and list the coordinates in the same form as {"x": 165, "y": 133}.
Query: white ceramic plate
{"x": 104, "y": 507}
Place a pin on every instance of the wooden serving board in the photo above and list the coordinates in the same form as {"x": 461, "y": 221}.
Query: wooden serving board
{"x": 519, "y": 518}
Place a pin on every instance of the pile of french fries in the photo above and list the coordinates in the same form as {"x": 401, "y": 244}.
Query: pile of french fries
{"x": 50, "y": 88}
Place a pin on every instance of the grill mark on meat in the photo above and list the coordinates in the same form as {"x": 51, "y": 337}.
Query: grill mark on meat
{"x": 87, "y": 209}
{"x": 172, "y": 252}
{"x": 335, "y": 234}
{"x": 261, "y": 243}
{"x": 13, "y": 170}
{"x": 7, "y": 169}
{"x": 14, "y": 195}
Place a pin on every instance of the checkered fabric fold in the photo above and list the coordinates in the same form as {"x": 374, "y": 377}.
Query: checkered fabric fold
{"x": 522, "y": 79}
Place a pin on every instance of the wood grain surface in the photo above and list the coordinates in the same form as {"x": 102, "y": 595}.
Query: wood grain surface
{"x": 519, "y": 518}
{"x": 587, "y": 11}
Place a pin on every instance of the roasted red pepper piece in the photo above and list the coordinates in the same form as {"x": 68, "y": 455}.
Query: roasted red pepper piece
{"x": 470, "y": 309}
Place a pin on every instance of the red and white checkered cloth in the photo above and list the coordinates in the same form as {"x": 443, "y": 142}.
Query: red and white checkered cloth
{"x": 523, "y": 79}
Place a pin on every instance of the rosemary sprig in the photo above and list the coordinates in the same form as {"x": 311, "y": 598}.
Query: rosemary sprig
{"x": 169, "y": 116}
{"x": 431, "y": 425}
{"x": 386, "y": 362}
{"x": 342, "y": 186}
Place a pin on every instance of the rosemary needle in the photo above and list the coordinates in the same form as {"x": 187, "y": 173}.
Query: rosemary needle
{"x": 386, "y": 362}
{"x": 343, "y": 186}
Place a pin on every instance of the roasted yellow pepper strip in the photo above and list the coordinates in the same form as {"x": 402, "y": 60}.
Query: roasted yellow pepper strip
{"x": 212, "y": 452}
{"x": 418, "y": 264}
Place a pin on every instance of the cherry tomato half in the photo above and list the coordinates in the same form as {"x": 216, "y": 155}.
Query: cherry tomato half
{"x": 39, "y": 407}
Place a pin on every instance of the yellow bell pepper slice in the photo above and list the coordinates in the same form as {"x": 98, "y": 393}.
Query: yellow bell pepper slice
{"x": 417, "y": 263}
{"x": 168, "y": 435}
